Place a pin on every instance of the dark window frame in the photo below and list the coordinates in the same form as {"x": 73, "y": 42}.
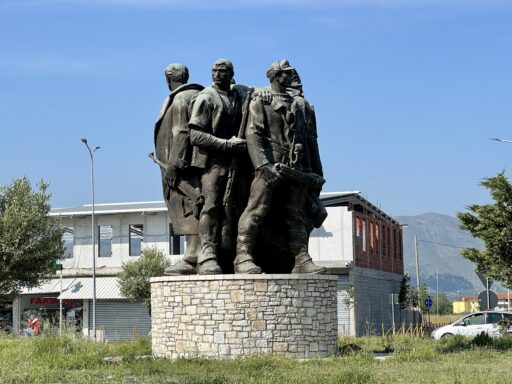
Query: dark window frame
{"x": 174, "y": 242}
{"x": 135, "y": 232}
{"x": 99, "y": 240}
{"x": 67, "y": 231}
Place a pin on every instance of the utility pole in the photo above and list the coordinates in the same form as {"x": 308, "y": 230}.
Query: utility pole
{"x": 437, "y": 291}
{"x": 417, "y": 269}
{"x": 93, "y": 240}
{"x": 488, "y": 292}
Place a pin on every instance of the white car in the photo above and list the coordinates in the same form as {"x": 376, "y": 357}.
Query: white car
{"x": 473, "y": 324}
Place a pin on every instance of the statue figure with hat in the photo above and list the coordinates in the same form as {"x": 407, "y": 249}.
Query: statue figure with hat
{"x": 278, "y": 147}
{"x": 315, "y": 210}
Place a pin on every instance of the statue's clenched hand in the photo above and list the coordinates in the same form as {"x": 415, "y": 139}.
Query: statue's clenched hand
{"x": 270, "y": 174}
{"x": 236, "y": 145}
{"x": 171, "y": 175}
{"x": 266, "y": 96}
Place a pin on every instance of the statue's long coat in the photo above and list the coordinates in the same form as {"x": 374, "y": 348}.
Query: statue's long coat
{"x": 172, "y": 147}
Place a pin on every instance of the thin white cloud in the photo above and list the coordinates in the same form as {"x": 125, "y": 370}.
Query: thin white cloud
{"x": 44, "y": 65}
{"x": 249, "y": 4}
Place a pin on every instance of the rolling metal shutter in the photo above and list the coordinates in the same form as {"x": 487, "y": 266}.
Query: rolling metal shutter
{"x": 343, "y": 310}
{"x": 119, "y": 320}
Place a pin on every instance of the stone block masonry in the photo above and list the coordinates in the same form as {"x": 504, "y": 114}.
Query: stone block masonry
{"x": 229, "y": 316}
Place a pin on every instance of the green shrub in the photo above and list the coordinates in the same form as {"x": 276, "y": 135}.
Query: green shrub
{"x": 482, "y": 340}
{"x": 456, "y": 343}
{"x": 504, "y": 325}
{"x": 387, "y": 344}
{"x": 503, "y": 343}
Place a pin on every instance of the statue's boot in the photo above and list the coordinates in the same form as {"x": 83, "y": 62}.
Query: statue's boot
{"x": 209, "y": 267}
{"x": 207, "y": 263}
{"x": 244, "y": 262}
{"x": 304, "y": 264}
{"x": 298, "y": 245}
{"x": 185, "y": 266}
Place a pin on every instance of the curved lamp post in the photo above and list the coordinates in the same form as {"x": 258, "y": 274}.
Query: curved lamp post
{"x": 91, "y": 153}
{"x": 508, "y": 290}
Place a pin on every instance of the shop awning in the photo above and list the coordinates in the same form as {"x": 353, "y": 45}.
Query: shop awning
{"x": 49, "y": 286}
{"x": 82, "y": 287}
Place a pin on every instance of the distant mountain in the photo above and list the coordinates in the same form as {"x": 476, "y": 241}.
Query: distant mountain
{"x": 439, "y": 236}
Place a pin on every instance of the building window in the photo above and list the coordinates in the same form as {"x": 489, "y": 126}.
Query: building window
{"x": 395, "y": 243}
{"x": 371, "y": 235}
{"x": 136, "y": 234}
{"x": 364, "y": 233}
{"x": 377, "y": 234}
{"x": 105, "y": 243}
{"x": 400, "y": 240}
{"x": 176, "y": 242}
{"x": 389, "y": 243}
{"x": 358, "y": 226}
{"x": 69, "y": 241}
{"x": 384, "y": 242}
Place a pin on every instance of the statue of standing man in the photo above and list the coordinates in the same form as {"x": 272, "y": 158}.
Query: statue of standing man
{"x": 214, "y": 123}
{"x": 173, "y": 152}
{"x": 277, "y": 144}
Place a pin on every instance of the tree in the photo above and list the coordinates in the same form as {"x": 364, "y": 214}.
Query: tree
{"x": 349, "y": 299}
{"x": 424, "y": 295}
{"x": 30, "y": 240}
{"x": 134, "y": 278}
{"x": 404, "y": 296}
{"x": 408, "y": 296}
{"x": 445, "y": 305}
{"x": 492, "y": 223}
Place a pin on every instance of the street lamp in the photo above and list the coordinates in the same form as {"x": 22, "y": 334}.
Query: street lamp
{"x": 416, "y": 253}
{"x": 91, "y": 153}
{"x": 508, "y": 290}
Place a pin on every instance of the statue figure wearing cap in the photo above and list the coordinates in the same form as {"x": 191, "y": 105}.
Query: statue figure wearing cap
{"x": 277, "y": 144}
{"x": 315, "y": 210}
{"x": 173, "y": 152}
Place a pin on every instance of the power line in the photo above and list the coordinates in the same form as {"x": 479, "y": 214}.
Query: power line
{"x": 446, "y": 245}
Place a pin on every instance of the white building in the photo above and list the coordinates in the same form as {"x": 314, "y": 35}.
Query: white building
{"x": 358, "y": 242}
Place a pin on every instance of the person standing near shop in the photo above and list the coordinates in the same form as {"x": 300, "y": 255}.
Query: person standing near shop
{"x": 37, "y": 325}
{"x": 27, "y": 331}
{"x": 32, "y": 326}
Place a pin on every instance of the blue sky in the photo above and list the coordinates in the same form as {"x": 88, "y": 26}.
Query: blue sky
{"x": 407, "y": 93}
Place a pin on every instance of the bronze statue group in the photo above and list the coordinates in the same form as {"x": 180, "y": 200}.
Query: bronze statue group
{"x": 241, "y": 172}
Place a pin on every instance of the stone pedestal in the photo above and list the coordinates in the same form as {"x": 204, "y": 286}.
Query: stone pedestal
{"x": 229, "y": 316}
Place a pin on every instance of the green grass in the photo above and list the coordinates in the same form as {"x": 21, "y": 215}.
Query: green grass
{"x": 50, "y": 359}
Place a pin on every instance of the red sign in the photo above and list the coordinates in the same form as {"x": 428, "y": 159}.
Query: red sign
{"x": 53, "y": 301}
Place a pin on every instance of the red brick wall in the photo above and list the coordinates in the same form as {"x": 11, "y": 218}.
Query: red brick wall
{"x": 377, "y": 243}
{"x": 386, "y": 257}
